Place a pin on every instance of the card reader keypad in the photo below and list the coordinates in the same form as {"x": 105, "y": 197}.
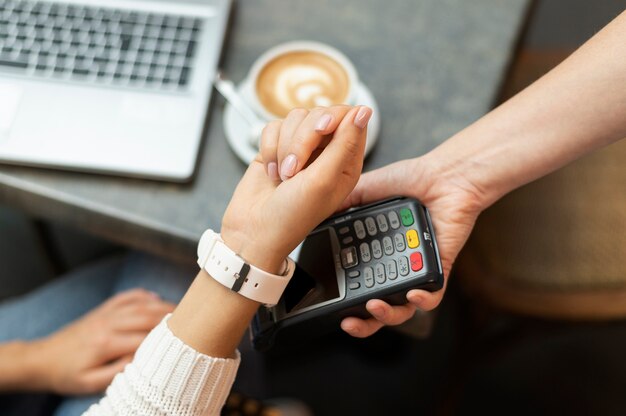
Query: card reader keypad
{"x": 394, "y": 221}
{"x": 359, "y": 229}
{"x": 349, "y": 258}
{"x": 403, "y": 265}
{"x": 377, "y": 249}
{"x": 398, "y": 240}
{"x": 382, "y": 248}
{"x": 368, "y": 277}
{"x": 388, "y": 245}
{"x": 370, "y": 224}
{"x": 381, "y": 220}
{"x": 366, "y": 255}
{"x": 392, "y": 270}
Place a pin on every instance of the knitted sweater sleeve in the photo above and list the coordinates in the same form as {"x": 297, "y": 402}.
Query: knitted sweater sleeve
{"x": 168, "y": 377}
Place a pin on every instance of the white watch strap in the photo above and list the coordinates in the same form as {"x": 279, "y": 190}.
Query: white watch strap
{"x": 233, "y": 272}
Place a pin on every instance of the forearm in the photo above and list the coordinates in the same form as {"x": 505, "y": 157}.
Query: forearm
{"x": 19, "y": 367}
{"x": 211, "y": 318}
{"x": 576, "y": 108}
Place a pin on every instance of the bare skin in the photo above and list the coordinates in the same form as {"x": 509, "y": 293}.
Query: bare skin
{"x": 83, "y": 357}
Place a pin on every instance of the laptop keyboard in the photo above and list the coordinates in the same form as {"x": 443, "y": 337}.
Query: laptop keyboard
{"x": 97, "y": 44}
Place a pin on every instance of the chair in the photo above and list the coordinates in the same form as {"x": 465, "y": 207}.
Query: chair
{"x": 555, "y": 248}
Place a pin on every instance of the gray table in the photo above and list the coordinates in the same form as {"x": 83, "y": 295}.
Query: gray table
{"x": 433, "y": 65}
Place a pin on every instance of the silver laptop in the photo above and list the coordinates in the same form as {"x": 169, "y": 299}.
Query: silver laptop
{"x": 115, "y": 86}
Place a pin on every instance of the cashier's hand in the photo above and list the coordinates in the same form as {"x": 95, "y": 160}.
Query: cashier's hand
{"x": 268, "y": 217}
{"x": 454, "y": 204}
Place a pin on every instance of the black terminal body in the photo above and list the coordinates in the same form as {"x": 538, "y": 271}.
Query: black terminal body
{"x": 379, "y": 251}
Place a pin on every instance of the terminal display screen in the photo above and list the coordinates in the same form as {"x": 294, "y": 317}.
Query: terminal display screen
{"x": 315, "y": 278}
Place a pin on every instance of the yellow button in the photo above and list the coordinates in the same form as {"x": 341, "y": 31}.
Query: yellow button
{"x": 412, "y": 239}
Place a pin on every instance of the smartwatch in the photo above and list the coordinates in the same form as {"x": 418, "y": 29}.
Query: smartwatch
{"x": 229, "y": 269}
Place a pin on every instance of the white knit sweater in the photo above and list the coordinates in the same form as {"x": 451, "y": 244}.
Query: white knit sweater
{"x": 168, "y": 377}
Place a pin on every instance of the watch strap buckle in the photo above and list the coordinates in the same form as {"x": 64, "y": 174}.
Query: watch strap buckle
{"x": 240, "y": 277}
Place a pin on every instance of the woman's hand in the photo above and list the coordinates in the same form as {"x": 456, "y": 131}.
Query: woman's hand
{"x": 454, "y": 204}
{"x": 83, "y": 357}
{"x": 267, "y": 218}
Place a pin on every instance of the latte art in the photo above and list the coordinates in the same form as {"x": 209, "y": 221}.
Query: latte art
{"x": 301, "y": 79}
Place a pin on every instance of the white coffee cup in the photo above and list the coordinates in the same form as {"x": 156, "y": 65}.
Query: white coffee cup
{"x": 300, "y": 74}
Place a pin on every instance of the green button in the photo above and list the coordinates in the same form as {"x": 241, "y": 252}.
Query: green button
{"x": 407, "y": 217}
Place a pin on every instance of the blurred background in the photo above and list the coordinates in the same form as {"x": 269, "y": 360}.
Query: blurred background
{"x": 555, "y": 348}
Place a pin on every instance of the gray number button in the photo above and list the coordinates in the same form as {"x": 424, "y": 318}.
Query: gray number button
{"x": 382, "y": 223}
{"x": 359, "y": 229}
{"x": 398, "y": 241}
{"x": 365, "y": 252}
{"x": 403, "y": 265}
{"x": 394, "y": 220}
{"x": 370, "y": 224}
{"x": 368, "y": 276}
{"x": 388, "y": 246}
{"x": 379, "y": 273}
{"x": 377, "y": 250}
{"x": 392, "y": 269}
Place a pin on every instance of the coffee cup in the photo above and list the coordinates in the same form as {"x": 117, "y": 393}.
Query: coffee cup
{"x": 300, "y": 74}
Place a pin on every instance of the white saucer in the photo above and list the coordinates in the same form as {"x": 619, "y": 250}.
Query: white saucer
{"x": 237, "y": 129}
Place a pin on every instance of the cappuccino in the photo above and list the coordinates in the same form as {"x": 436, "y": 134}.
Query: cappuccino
{"x": 301, "y": 79}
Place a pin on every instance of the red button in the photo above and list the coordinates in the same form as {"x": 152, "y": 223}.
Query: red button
{"x": 416, "y": 261}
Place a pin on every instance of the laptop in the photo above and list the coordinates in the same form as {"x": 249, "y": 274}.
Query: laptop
{"x": 113, "y": 86}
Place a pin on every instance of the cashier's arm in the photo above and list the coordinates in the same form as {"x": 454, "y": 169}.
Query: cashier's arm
{"x": 575, "y": 109}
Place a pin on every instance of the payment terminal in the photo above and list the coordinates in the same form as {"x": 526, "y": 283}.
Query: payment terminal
{"x": 379, "y": 251}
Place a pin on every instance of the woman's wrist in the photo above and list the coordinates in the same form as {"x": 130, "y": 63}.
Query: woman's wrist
{"x": 38, "y": 364}
{"x": 27, "y": 370}
{"x": 262, "y": 256}
{"x": 212, "y": 318}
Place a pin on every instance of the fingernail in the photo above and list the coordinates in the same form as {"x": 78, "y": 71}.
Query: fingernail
{"x": 272, "y": 171}
{"x": 323, "y": 122}
{"x": 288, "y": 167}
{"x": 154, "y": 295}
{"x": 362, "y": 117}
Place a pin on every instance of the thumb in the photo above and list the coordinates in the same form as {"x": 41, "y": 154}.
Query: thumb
{"x": 343, "y": 157}
{"x": 379, "y": 184}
